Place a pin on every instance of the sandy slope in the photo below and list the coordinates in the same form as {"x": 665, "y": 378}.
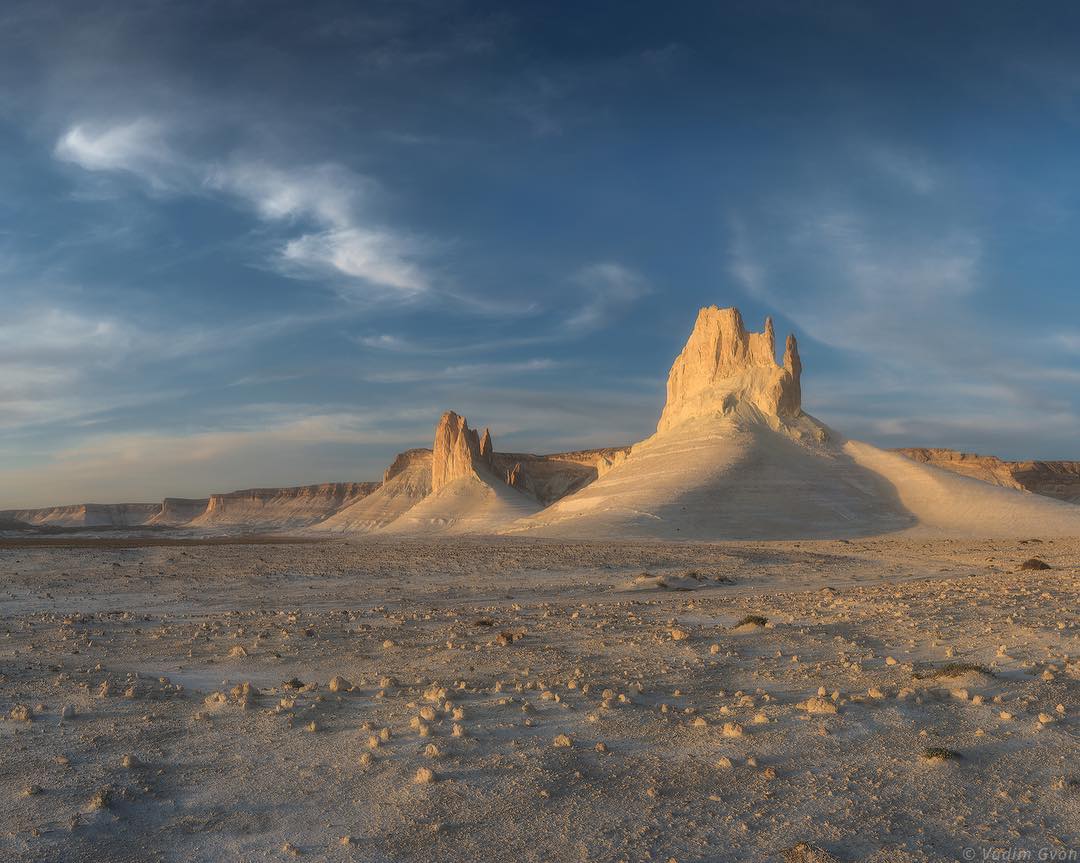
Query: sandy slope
{"x": 395, "y": 496}
{"x": 724, "y": 478}
{"x": 472, "y": 504}
{"x": 946, "y": 503}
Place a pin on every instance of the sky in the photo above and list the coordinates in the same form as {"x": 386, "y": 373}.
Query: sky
{"x": 257, "y": 244}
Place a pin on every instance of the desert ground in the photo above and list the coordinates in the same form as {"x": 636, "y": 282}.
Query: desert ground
{"x": 479, "y": 699}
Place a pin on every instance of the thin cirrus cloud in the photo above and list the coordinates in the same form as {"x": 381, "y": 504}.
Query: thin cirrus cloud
{"x": 610, "y": 288}
{"x": 340, "y": 242}
{"x": 467, "y": 371}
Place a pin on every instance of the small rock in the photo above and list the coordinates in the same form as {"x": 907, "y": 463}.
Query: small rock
{"x": 339, "y": 684}
{"x": 424, "y": 776}
{"x": 817, "y": 705}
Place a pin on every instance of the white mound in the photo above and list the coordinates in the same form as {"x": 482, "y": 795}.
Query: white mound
{"x": 727, "y": 477}
{"x": 945, "y": 503}
{"x": 475, "y": 504}
{"x": 399, "y": 493}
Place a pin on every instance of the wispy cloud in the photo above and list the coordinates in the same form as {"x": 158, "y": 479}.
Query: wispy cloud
{"x": 114, "y": 466}
{"x": 464, "y": 371}
{"x": 855, "y": 284}
{"x": 137, "y": 147}
{"x": 911, "y": 170}
{"x": 609, "y": 288}
{"x": 338, "y": 237}
{"x": 61, "y": 363}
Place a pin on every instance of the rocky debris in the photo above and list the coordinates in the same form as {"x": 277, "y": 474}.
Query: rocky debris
{"x": 723, "y": 365}
{"x": 20, "y": 713}
{"x": 817, "y": 705}
{"x": 804, "y": 852}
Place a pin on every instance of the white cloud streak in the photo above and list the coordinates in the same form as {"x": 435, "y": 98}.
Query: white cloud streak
{"x": 137, "y": 147}
{"x": 338, "y": 237}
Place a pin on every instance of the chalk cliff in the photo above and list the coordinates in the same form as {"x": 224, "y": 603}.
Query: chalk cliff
{"x": 722, "y": 366}
{"x": 457, "y": 451}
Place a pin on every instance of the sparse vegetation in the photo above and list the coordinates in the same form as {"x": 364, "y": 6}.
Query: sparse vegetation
{"x": 753, "y": 620}
{"x": 940, "y": 753}
{"x": 1034, "y": 563}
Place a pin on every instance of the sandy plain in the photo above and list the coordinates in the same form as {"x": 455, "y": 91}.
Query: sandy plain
{"x": 906, "y": 700}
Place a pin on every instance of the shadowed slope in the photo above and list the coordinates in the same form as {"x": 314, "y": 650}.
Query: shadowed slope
{"x": 726, "y": 478}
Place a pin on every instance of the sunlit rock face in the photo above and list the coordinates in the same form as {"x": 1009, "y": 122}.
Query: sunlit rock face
{"x": 722, "y": 366}
{"x": 457, "y": 451}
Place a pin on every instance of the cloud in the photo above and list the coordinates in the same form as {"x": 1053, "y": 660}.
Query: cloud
{"x": 61, "y": 363}
{"x": 465, "y": 371}
{"x": 910, "y": 170}
{"x": 122, "y": 466}
{"x": 380, "y": 258}
{"x": 610, "y": 287}
{"x": 856, "y": 284}
{"x": 137, "y": 147}
{"x": 328, "y": 193}
{"x": 339, "y": 239}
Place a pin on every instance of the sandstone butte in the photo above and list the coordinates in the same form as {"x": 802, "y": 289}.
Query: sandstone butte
{"x": 723, "y": 371}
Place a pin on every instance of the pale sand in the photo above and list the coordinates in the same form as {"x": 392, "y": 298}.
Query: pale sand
{"x": 220, "y": 782}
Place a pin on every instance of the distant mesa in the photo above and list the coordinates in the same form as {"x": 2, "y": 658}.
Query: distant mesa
{"x": 1058, "y": 479}
{"x": 734, "y": 456}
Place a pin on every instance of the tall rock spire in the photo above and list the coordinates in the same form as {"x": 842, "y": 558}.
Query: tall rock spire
{"x": 455, "y": 452}
{"x": 723, "y": 365}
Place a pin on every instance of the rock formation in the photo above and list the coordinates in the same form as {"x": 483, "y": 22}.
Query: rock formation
{"x": 1057, "y": 479}
{"x": 457, "y": 451}
{"x": 403, "y": 461}
{"x": 106, "y": 515}
{"x": 176, "y": 511}
{"x": 549, "y": 478}
{"x": 722, "y": 366}
{"x": 279, "y": 508}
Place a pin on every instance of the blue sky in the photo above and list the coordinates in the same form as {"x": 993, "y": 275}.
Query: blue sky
{"x": 268, "y": 243}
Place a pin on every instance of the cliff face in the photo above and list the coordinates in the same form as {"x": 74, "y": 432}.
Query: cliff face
{"x": 406, "y": 460}
{"x": 722, "y": 366}
{"x": 85, "y": 515}
{"x": 551, "y": 477}
{"x": 457, "y": 451}
{"x": 262, "y": 508}
{"x": 1057, "y": 479}
{"x": 176, "y": 511}
{"x": 291, "y": 507}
